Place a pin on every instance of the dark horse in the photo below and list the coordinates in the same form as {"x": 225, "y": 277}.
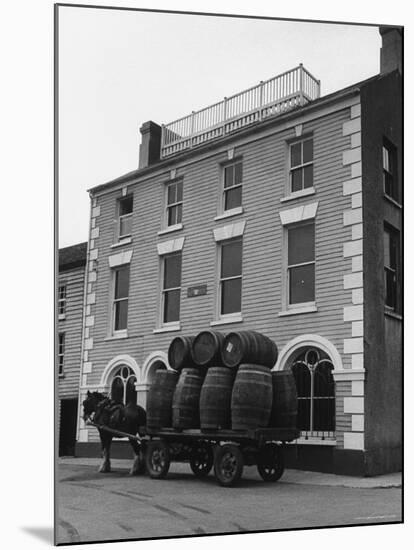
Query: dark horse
{"x": 103, "y": 411}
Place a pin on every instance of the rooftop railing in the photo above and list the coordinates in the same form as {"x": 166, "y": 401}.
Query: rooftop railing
{"x": 275, "y": 96}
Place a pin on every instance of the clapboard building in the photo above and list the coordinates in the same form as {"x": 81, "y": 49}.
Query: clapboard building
{"x": 275, "y": 210}
{"x": 70, "y": 302}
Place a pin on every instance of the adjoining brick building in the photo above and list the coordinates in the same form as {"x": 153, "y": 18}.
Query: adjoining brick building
{"x": 71, "y": 287}
{"x": 275, "y": 210}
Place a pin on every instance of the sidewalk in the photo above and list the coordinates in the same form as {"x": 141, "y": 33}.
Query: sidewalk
{"x": 297, "y": 477}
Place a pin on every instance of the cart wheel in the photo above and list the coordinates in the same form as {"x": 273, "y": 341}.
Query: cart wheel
{"x": 271, "y": 463}
{"x": 157, "y": 459}
{"x": 201, "y": 459}
{"x": 228, "y": 465}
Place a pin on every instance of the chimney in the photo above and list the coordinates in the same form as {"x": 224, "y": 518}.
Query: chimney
{"x": 391, "y": 51}
{"x": 149, "y": 150}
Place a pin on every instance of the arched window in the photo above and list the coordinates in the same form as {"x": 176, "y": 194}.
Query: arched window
{"x": 123, "y": 386}
{"x": 312, "y": 370}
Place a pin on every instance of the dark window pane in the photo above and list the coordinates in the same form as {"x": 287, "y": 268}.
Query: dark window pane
{"x": 231, "y": 296}
{"x": 131, "y": 393}
{"x": 302, "y": 284}
{"x": 323, "y": 381}
{"x": 233, "y": 198}
{"x": 308, "y": 176}
{"x": 302, "y": 379}
{"x": 238, "y": 173}
{"x": 125, "y": 206}
{"x": 172, "y": 215}
{"x": 179, "y": 213}
{"x": 122, "y": 282}
{"x": 231, "y": 259}
{"x": 303, "y": 421}
{"x": 172, "y": 271}
{"x": 297, "y": 176}
{"x": 393, "y": 250}
{"x": 308, "y": 151}
{"x": 390, "y": 288}
{"x": 172, "y": 189}
{"x": 117, "y": 390}
{"x": 388, "y": 184}
{"x": 121, "y": 314}
{"x": 229, "y": 176}
{"x": 301, "y": 244}
{"x": 179, "y": 191}
{"x": 172, "y": 306}
{"x": 296, "y": 154}
{"x": 125, "y": 226}
{"x": 323, "y": 414}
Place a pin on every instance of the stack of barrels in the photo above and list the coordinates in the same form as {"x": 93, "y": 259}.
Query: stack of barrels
{"x": 222, "y": 382}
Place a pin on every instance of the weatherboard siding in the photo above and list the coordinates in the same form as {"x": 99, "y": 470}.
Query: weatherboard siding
{"x": 265, "y": 176}
{"x": 72, "y": 327}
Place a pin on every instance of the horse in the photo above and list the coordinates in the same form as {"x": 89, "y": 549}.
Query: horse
{"x": 103, "y": 411}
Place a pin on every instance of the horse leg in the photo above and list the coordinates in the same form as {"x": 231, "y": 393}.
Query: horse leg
{"x": 138, "y": 464}
{"x": 106, "y": 445}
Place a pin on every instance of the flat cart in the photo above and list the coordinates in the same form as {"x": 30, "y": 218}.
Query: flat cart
{"x": 228, "y": 451}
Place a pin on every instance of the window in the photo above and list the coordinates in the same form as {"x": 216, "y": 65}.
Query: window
{"x": 61, "y": 351}
{"x": 301, "y": 264}
{"x": 232, "y": 186}
{"x": 120, "y": 302}
{"x": 125, "y": 206}
{"x": 389, "y": 170}
{"x": 391, "y": 271}
{"x": 312, "y": 371}
{"x": 174, "y": 203}
{"x": 171, "y": 288}
{"x": 123, "y": 386}
{"x": 62, "y": 301}
{"x": 301, "y": 165}
{"x": 230, "y": 291}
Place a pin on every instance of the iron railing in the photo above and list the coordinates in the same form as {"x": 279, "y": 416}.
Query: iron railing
{"x": 275, "y": 96}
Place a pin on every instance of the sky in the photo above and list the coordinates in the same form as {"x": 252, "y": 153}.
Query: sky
{"x": 118, "y": 69}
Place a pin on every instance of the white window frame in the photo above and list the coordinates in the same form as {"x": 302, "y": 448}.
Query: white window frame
{"x": 304, "y": 190}
{"x": 114, "y": 301}
{"x": 310, "y": 303}
{"x": 122, "y": 218}
{"x": 389, "y": 150}
{"x": 172, "y": 324}
{"x": 237, "y": 315}
{"x": 61, "y": 353}
{"x": 62, "y": 301}
{"x": 222, "y": 212}
{"x": 178, "y": 225}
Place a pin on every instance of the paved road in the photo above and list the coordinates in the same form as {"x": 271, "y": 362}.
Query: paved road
{"x": 95, "y": 507}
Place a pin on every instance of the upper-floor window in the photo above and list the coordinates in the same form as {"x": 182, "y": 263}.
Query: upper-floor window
{"x": 301, "y": 263}
{"x": 125, "y": 208}
{"x": 174, "y": 203}
{"x": 389, "y": 169}
{"x": 61, "y": 352}
{"x": 62, "y": 301}
{"x": 230, "y": 281}
{"x": 301, "y": 165}
{"x": 391, "y": 268}
{"x": 120, "y": 298}
{"x": 232, "y": 186}
{"x": 171, "y": 288}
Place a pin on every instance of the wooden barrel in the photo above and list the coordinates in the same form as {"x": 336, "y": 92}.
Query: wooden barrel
{"x": 179, "y": 353}
{"x": 159, "y": 399}
{"x": 251, "y": 398}
{"x": 185, "y": 405}
{"x": 248, "y": 346}
{"x": 285, "y": 400}
{"x": 206, "y": 348}
{"x": 215, "y": 399}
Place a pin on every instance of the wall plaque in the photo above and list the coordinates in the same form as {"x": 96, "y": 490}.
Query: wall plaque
{"x": 198, "y": 290}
